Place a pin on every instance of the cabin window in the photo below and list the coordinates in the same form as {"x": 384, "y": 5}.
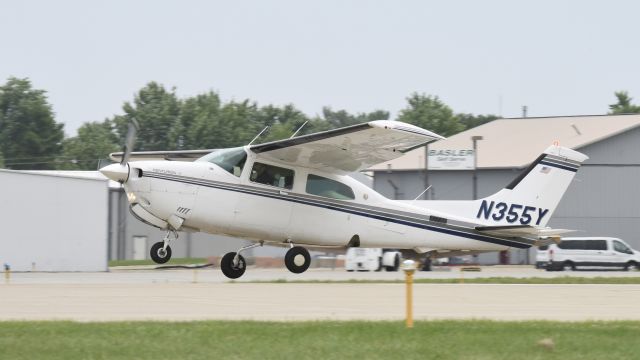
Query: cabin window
{"x": 322, "y": 186}
{"x": 232, "y": 160}
{"x": 272, "y": 175}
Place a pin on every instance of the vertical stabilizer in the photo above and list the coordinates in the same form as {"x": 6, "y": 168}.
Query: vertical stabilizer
{"x": 532, "y": 197}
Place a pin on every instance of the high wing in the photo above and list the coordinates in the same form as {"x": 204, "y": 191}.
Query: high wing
{"x": 348, "y": 149}
{"x": 177, "y": 155}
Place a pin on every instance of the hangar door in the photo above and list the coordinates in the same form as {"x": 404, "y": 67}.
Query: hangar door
{"x": 52, "y": 222}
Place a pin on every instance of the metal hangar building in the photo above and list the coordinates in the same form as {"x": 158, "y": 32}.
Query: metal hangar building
{"x": 603, "y": 200}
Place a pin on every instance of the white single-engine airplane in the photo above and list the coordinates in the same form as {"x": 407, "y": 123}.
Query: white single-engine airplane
{"x": 297, "y": 193}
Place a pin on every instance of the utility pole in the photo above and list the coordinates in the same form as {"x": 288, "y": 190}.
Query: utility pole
{"x": 426, "y": 172}
{"x": 475, "y": 140}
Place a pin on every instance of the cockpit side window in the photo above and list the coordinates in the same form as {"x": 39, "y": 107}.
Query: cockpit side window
{"x": 232, "y": 160}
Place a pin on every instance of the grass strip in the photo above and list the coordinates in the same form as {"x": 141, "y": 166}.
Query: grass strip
{"x": 484, "y": 280}
{"x": 177, "y": 261}
{"x": 320, "y": 339}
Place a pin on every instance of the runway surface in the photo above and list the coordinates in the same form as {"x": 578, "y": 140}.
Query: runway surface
{"x": 187, "y": 295}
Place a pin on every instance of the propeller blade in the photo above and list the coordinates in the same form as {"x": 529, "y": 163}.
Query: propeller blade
{"x": 130, "y": 140}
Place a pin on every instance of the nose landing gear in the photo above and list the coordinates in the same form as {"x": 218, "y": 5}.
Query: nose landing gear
{"x": 161, "y": 251}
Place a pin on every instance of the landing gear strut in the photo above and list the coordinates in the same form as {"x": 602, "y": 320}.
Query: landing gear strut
{"x": 161, "y": 251}
{"x": 233, "y": 264}
{"x": 297, "y": 259}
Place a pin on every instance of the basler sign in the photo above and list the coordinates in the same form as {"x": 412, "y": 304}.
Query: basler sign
{"x": 450, "y": 159}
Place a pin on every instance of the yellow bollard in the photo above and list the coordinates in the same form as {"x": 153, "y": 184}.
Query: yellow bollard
{"x": 409, "y": 268}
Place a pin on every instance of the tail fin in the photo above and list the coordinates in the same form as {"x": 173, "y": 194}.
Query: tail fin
{"x": 532, "y": 197}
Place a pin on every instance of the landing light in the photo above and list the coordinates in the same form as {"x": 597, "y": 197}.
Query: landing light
{"x": 131, "y": 197}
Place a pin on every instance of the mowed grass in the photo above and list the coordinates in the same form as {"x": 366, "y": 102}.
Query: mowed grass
{"x": 319, "y": 340}
{"x": 461, "y": 280}
{"x": 177, "y": 261}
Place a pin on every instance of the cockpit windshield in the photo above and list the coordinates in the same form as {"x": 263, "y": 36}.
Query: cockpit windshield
{"x": 232, "y": 160}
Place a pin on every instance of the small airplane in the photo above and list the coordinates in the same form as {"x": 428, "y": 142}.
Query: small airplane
{"x": 297, "y": 193}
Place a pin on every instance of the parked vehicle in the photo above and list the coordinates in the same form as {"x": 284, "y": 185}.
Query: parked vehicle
{"x": 372, "y": 259}
{"x": 587, "y": 252}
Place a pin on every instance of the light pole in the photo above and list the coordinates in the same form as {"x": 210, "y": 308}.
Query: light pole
{"x": 475, "y": 140}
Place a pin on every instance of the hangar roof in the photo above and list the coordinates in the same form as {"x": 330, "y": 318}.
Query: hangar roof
{"x": 516, "y": 142}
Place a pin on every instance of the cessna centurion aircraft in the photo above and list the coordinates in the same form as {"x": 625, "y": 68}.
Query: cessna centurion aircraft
{"x": 297, "y": 193}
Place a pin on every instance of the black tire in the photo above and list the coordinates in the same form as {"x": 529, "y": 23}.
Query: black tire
{"x": 379, "y": 264}
{"x": 568, "y": 266}
{"x": 426, "y": 265}
{"x": 297, "y": 259}
{"x": 157, "y": 255}
{"x": 631, "y": 266}
{"x": 396, "y": 264}
{"x": 227, "y": 267}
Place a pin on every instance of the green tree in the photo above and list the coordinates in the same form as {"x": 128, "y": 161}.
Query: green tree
{"x": 282, "y": 121}
{"x": 623, "y": 106}
{"x": 469, "y": 121}
{"x": 199, "y": 117}
{"x": 428, "y": 112}
{"x": 95, "y": 140}
{"x": 30, "y": 138}
{"x": 157, "y": 110}
{"x": 342, "y": 118}
{"x": 1, "y": 160}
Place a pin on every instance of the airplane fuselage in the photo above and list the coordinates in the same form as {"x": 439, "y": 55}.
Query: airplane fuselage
{"x": 206, "y": 197}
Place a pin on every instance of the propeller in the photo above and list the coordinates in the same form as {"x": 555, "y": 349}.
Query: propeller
{"x": 120, "y": 172}
{"x": 130, "y": 140}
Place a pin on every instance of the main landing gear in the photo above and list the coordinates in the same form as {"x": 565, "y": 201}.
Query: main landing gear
{"x": 233, "y": 265}
{"x": 297, "y": 259}
{"x": 161, "y": 251}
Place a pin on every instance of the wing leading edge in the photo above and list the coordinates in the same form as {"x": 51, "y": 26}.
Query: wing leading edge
{"x": 177, "y": 155}
{"x": 348, "y": 149}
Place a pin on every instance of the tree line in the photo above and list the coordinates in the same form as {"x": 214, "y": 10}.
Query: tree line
{"x": 31, "y": 138}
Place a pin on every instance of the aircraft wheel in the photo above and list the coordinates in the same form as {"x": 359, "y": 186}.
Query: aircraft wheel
{"x": 297, "y": 259}
{"x": 158, "y": 255}
{"x": 229, "y": 269}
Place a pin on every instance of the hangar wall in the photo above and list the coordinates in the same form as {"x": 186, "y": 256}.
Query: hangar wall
{"x": 603, "y": 200}
{"x": 52, "y": 222}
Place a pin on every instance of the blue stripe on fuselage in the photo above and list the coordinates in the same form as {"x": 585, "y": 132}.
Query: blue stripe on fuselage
{"x": 460, "y": 233}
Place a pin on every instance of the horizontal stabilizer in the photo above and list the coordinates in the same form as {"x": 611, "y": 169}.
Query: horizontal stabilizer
{"x": 523, "y": 231}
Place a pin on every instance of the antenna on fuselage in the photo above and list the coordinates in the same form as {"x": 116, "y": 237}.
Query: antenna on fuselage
{"x": 257, "y": 136}
{"x": 300, "y": 128}
{"x": 422, "y": 193}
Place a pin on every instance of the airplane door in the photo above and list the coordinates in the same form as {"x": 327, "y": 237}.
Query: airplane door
{"x": 264, "y": 212}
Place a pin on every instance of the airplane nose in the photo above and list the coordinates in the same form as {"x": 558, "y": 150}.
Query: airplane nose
{"x": 116, "y": 172}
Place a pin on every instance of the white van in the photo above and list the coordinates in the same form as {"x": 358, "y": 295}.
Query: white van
{"x": 573, "y": 252}
{"x": 372, "y": 259}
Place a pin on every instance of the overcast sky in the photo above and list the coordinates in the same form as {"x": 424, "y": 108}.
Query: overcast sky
{"x": 557, "y": 57}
